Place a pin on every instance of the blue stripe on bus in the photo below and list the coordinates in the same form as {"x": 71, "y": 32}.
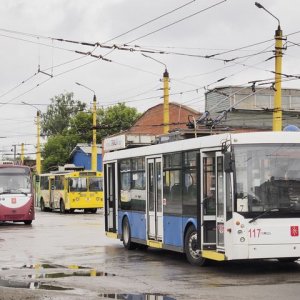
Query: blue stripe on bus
{"x": 174, "y": 227}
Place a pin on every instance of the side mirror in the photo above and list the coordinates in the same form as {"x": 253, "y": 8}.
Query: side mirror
{"x": 228, "y": 162}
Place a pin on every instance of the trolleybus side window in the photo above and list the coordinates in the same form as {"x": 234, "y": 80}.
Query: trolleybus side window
{"x": 209, "y": 185}
{"x": 229, "y": 205}
{"x": 44, "y": 182}
{"x": 172, "y": 183}
{"x": 189, "y": 191}
{"x": 59, "y": 183}
{"x": 133, "y": 184}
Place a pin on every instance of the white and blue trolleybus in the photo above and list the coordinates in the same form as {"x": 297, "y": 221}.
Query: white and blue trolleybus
{"x": 233, "y": 196}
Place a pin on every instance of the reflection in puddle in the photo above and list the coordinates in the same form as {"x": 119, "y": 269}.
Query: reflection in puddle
{"x": 52, "y": 266}
{"x": 31, "y": 285}
{"x": 137, "y": 296}
{"x": 91, "y": 273}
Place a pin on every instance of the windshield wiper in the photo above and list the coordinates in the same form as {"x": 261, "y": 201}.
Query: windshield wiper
{"x": 13, "y": 192}
{"x": 5, "y": 192}
{"x": 264, "y": 213}
{"x": 20, "y": 192}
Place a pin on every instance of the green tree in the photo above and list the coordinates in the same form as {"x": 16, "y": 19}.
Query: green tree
{"x": 59, "y": 113}
{"x": 57, "y": 150}
{"x": 66, "y": 125}
{"x": 116, "y": 118}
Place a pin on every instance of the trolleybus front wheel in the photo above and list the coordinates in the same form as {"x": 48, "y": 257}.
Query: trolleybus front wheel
{"x": 128, "y": 244}
{"x": 190, "y": 244}
{"x": 28, "y": 222}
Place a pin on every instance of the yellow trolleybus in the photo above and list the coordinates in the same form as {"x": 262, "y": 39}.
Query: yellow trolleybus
{"x": 68, "y": 191}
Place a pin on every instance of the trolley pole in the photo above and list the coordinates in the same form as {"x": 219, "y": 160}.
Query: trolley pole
{"x": 277, "y": 112}
{"x": 38, "y": 144}
{"x": 94, "y": 144}
{"x": 166, "y": 102}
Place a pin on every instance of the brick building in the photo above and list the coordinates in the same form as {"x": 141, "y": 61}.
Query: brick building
{"x": 150, "y": 125}
{"x": 151, "y": 121}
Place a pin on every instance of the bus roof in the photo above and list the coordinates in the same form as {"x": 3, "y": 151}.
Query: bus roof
{"x": 207, "y": 142}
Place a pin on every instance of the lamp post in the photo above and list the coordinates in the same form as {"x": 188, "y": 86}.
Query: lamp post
{"x": 166, "y": 114}
{"x": 277, "y": 112}
{"x": 94, "y": 143}
{"x": 38, "y": 133}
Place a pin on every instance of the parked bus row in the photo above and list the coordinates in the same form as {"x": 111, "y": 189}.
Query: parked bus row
{"x": 220, "y": 197}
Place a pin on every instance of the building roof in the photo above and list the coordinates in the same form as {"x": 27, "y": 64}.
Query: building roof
{"x": 151, "y": 121}
{"x": 86, "y": 148}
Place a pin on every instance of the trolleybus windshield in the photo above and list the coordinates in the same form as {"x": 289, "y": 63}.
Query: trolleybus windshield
{"x": 14, "y": 180}
{"x": 267, "y": 179}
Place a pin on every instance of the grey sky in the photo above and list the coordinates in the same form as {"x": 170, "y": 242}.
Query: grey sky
{"x": 232, "y": 24}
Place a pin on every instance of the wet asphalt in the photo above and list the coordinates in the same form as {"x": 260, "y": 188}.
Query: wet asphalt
{"x": 69, "y": 257}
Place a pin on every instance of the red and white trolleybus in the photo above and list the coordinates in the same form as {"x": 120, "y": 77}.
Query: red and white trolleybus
{"x": 16, "y": 194}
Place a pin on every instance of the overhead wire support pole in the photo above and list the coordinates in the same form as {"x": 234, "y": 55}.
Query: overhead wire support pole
{"x": 166, "y": 102}
{"x": 94, "y": 127}
{"x": 38, "y": 142}
{"x": 22, "y": 153}
{"x": 277, "y": 113}
{"x": 166, "y": 90}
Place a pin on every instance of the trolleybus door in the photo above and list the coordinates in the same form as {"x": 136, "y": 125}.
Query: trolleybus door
{"x": 220, "y": 197}
{"x": 212, "y": 200}
{"x": 52, "y": 191}
{"x": 110, "y": 196}
{"x": 154, "y": 198}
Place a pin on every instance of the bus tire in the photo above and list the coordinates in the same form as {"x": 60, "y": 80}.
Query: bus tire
{"x": 62, "y": 208}
{"x": 190, "y": 244}
{"x": 28, "y": 222}
{"x": 42, "y": 205}
{"x": 93, "y": 210}
{"x": 126, "y": 235}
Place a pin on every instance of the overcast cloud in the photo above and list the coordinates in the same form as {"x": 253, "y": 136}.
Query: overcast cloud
{"x": 229, "y": 25}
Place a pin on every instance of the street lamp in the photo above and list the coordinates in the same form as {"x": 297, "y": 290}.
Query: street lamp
{"x": 277, "y": 112}
{"x": 94, "y": 144}
{"x": 38, "y": 133}
{"x": 166, "y": 115}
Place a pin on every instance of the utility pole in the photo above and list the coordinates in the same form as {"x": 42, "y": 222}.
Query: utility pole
{"x": 22, "y": 153}
{"x": 38, "y": 145}
{"x": 94, "y": 156}
{"x": 166, "y": 111}
{"x": 166, "y": 102}
{"x": 94, "y": 144}
{"x": 15, "y": 153}
{"x": 277, "y": 112}
{"x": 38, "y": 164}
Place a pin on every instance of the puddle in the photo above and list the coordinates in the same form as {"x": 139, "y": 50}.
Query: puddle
{"x": 31, "y": 285}
{"x": 137, "y": 296}
{"x": 52, "y": 266}
{"x": 91, "y": 273}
